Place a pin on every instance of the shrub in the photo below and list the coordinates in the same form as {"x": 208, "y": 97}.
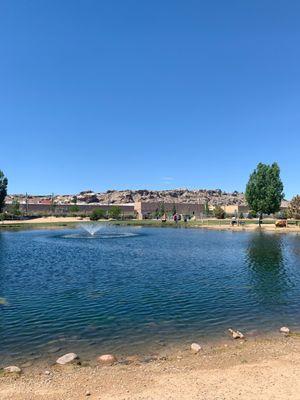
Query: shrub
{"x": 219, "y": 213}
{"x": 114, "y": 212}
{"x": 96, "y": 214}
{"x": 252, "y": 214}
{"x": 14, "y": 208}
{"x": 74, "y": 209}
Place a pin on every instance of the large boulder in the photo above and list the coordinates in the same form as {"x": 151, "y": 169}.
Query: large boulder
{"x": 281, "y": 223}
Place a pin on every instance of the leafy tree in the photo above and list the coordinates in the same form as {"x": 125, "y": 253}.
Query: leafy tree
{"x": 3, "y": 190}
{"x": 74, "y": 208}
{"x": 162, "y": 210}
{"x": 53, "y": 205}
{"x": 114, "y": 212}
{"x": 219, "y": 213}
{"x": 294, "y": 208}
{"x": 96, "y": 214}
{"x": 74, "y": 200}
{"x": 264, "y": 191}
{"x": 174, "y": 209}
{"x": 14, "y": 209}
{"x": 206, "y": 209}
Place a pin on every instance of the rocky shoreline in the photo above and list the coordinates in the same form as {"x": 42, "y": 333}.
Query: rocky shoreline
{"x": 241, "y": 368}
{"x": 72, "y": 358}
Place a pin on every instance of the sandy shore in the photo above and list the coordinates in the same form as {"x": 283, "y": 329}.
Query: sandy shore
{"x": 252, "y": 227}
{"x": 255, "y": 369}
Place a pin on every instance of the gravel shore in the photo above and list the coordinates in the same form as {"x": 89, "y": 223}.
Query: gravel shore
{"x": 254, "y": 369}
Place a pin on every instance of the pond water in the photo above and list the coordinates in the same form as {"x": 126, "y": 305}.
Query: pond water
{"x": 130, "y": 289}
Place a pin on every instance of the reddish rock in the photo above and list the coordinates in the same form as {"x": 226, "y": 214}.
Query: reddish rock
{"x": 107, "y": 359}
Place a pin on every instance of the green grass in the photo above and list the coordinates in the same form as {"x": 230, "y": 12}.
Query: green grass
{"x": 145, "y": 222}
{"x": 42, "y": 225}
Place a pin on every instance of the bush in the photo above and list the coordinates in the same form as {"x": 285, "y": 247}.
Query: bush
{"x": 219, "y": 213}
{"x": 252, "y": 214}
{"x": 14, "y": 209}
{"x": 114, "y": 212}
{"x": 74, "y": 208}
{"x": 96, "y": 214}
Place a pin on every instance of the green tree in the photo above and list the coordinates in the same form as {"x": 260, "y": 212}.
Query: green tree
{"x": 14, "y": 209}
{"x": 162, "y": 210}
{"x": 264, "y": 190}
{"x": 114, "y": 212}
{"x": 206, "y": 209}
{"x": 294, "y": 208}
{"x": 174, "y": 209}
{"x": 74, "y": 208}
{"x": 219, "y": 213}
{"x": 96, "y": 214}
{"x": 3, "y": 190}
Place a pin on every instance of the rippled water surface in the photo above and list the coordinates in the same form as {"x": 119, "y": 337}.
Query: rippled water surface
{"x": 132, "y": 288}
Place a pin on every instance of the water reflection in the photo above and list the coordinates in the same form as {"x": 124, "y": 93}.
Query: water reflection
{"x": 267, "y": 265}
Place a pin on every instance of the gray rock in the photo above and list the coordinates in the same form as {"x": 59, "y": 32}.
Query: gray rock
{"x": 195, "y": 347}
{"x": 236, "y": 334}
{"x": 12, "y": 369}
{"x": 285, "y": 330}
{"x": 67, "y": 359}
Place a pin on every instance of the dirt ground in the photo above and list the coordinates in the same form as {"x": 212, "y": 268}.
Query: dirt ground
{"x": 254, "y": 369}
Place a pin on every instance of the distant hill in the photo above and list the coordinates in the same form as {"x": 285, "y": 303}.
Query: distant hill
{"x": 213, "y": 197}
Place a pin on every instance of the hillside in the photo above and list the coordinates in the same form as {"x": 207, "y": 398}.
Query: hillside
{"x": 213, "y": 197}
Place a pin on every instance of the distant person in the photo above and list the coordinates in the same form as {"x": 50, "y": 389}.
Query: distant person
{"x": 175, "y": 217}
{"x": 164, "y": 218}
{"x": 233, "y": 221}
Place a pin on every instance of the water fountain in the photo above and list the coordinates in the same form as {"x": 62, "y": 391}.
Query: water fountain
{"x": 91, "y": 228}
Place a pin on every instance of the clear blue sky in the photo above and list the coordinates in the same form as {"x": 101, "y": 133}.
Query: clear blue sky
{"x": 148, "y": 94}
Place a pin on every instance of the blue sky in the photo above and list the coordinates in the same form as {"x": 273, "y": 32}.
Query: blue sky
{"x": 148, "y": 94}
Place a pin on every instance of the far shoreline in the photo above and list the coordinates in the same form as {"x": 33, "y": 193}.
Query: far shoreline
{"x": 209, "y": 224}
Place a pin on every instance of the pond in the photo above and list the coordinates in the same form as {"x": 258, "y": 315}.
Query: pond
{"x": 127, "y": 290}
